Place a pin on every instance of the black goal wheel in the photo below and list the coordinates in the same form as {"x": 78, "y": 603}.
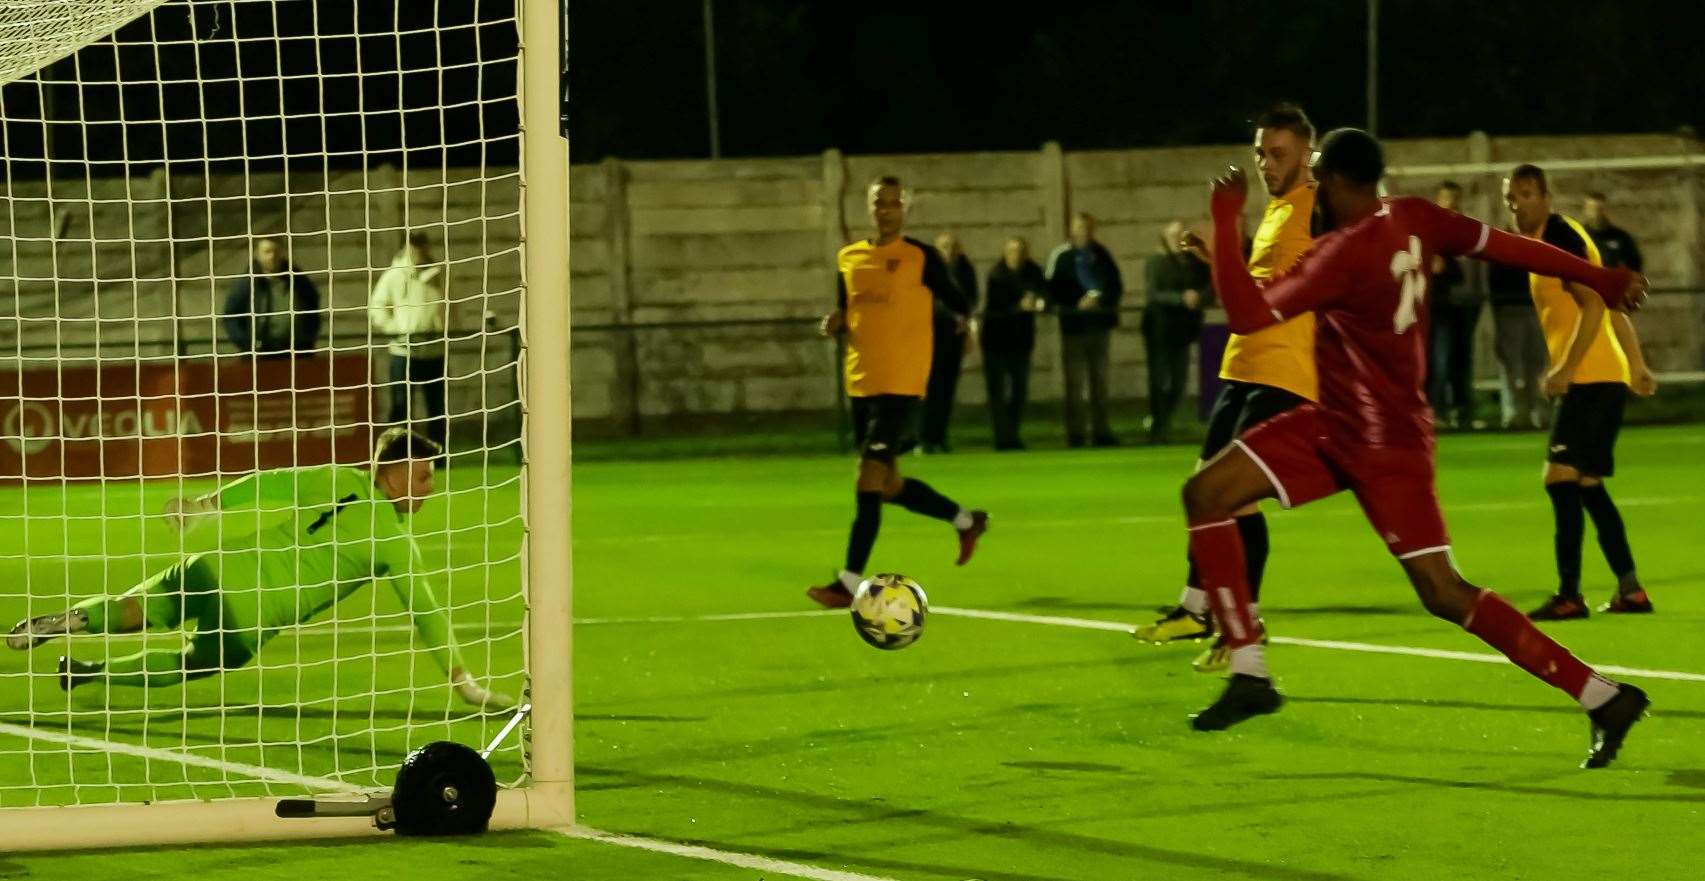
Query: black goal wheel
{"x": 444, "y": 788}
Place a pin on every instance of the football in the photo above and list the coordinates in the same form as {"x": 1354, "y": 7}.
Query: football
{"x": 888, "y": 611}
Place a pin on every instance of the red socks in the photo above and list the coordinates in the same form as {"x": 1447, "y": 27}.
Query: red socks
{"x": 1502, "y": 627}
{"x": 1217, "y": 549}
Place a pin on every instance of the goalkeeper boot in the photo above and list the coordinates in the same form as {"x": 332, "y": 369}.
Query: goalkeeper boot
{"x": 1178, "y": 623}
{"x": 1610, "y": 724}
{"x": 73, "y": 673}
{"x": 1245, "y": 697}
{"x": 32, "y": 632}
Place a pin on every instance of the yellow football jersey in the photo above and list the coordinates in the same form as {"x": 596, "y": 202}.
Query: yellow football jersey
{"x": 887, "y": 293}
{"x": 1282, "y": 355}
{"x": 1559, "y": 314}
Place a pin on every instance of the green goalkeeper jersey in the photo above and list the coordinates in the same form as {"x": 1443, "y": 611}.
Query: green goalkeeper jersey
{"x": 295, "y": 541}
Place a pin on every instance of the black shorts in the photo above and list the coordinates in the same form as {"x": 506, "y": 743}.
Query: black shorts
{"x": 885, "y": 426}
{"x": 1583, "y": 433}
{"x": 1242, "y": 406}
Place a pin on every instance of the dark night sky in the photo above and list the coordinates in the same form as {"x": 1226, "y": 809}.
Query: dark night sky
{"x": 869, "y": 77}
{"x": 878, "y": 77}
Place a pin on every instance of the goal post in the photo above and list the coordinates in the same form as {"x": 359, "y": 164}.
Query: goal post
{"x": 116, "y": 372}
{"x": 548, "y": 418}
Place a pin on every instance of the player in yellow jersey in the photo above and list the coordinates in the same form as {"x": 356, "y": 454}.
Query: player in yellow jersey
{"x": 1267, "y": 372}
{"x": 889, "y": 289}
{"x": 1595, "y": 360}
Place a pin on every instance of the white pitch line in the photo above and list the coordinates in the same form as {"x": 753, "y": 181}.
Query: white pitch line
{"x": 1021, "y": 618}
{"x": 1479, "y": 657}
{"x": 731, "y": 858}
{"x": 1336, "y": 645}
{"x": 256, "y": 772}
{"x": 251, "y": 772}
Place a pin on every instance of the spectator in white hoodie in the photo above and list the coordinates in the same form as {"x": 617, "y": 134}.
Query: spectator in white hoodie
{"x": 408, "y": 306}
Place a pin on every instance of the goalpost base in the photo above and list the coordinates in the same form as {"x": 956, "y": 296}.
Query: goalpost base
{"x": 248, "y": 820}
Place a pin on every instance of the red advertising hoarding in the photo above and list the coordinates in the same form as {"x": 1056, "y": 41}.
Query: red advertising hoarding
{"x": 189, "y": 417}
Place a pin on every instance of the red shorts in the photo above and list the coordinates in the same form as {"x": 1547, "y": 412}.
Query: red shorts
{"x": 1306, "y": 461}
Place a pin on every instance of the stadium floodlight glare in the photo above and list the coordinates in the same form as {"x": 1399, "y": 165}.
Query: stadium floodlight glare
{"x": 148, "y": 150}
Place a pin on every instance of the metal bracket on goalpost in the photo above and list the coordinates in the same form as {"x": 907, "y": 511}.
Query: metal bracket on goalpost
{"x": 444, "y": 788}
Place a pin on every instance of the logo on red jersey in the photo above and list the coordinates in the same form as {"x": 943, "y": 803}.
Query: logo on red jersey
{"x": 1410, "y": 272}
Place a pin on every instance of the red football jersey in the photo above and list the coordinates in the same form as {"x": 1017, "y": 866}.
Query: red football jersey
{"x": 1368, "y": 284}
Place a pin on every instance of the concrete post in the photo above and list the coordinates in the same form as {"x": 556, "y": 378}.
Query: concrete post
{"x": 1056, "y": 198}
{"x": 1689, "y": 273}
{"x": 625, "y": 401}
{"x": 835, "y": 233}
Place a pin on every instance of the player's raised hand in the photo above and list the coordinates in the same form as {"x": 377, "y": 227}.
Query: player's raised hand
{"x": 1635, "y": 294}
{"x": 1228, "y": 192}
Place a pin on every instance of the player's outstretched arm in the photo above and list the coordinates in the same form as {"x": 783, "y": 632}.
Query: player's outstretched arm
{"x": 1620, "y": 289}
{"x": 1315, "y": 281}
{"x": 1246, "y": 310}
{"x": 432, "y": 623}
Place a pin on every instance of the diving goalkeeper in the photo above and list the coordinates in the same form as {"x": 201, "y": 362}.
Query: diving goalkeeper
{"x": 321, "y": 532}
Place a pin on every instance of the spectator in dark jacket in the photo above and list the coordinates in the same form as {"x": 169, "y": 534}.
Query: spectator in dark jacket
{"x": 948, "y": 353}
{"x": 1084, "y": 286}
{"x": 1456, "y": 311}
{"x": 1615, "y": 245}
{"x": 275, "y": 308}
{"x": 1519, "y": 345}
{"x": 1177, "y": 284}
{"x": 1017, "y": 291}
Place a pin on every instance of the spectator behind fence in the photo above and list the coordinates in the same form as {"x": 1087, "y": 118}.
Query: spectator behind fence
{"x": 1456, "y": 310}
{"x": 275, "y": 308}
{"x": 1017, "y": 291}
{"x": 1177, "y": 284}
{"x": 948, "y": 355}
{"x": 409, "y": 308}
{"x": 1085, "y": 287}
{"x": 1520, "y": 347}
{"x": 1615, "y": 245}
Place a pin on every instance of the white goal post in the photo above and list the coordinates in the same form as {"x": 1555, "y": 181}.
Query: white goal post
{"x": 64, "y": 308}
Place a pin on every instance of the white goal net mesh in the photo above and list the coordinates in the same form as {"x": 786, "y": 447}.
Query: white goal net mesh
{"x": 238, "y": 236}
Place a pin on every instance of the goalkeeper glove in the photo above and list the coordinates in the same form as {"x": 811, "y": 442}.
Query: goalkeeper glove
{"x": 476, "y": 695}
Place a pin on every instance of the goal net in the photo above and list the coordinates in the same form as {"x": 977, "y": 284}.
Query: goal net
{"x": 240, "y": 240}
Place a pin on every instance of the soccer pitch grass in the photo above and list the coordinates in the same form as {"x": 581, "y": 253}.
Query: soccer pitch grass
{"x": 1022, "y": 750}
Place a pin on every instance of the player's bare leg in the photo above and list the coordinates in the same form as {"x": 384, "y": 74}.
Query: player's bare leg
{"x": 1612, "y": 707}
{"x": 1225, "y": 485}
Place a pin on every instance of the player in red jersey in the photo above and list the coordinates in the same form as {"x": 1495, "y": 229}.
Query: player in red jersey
{"x": 1366, "y": 281}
